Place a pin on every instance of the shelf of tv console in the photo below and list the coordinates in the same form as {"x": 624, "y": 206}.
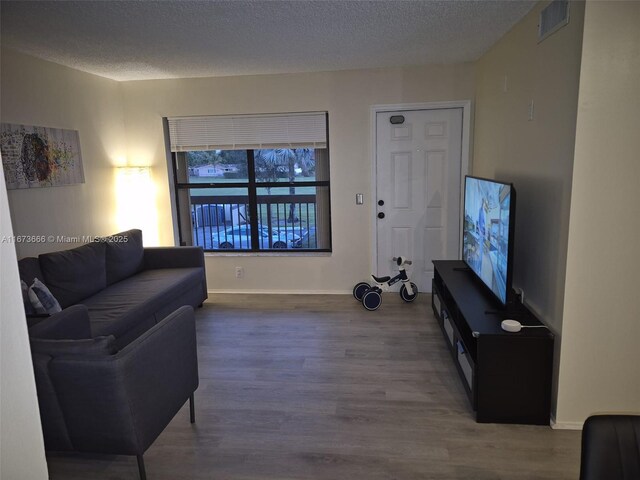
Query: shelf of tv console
{"x": 507, "y": 376}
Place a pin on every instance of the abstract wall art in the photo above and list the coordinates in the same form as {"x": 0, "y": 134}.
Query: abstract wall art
{"x": 34, "y": 157}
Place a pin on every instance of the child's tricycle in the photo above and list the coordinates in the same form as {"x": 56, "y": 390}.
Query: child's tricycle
{"x": 371, "y": 295}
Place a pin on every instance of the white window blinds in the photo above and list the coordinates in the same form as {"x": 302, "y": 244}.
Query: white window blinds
{"x": 243, "y": 132}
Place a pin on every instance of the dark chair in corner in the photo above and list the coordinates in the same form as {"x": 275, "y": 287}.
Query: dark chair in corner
{"x": 119, "y": 404}
{"x": 611, "y": 448}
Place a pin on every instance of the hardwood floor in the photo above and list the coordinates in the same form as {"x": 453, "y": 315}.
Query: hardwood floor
{"x": 316, "y": 387}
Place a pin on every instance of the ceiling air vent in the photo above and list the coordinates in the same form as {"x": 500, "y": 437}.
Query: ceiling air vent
{"x": 552, "y": 18}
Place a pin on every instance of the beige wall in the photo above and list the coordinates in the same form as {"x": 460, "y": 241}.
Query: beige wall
{"x": 347, "y": 96}
{"x": 21, "y": 443}
{"x": 601, "y": 326}
{"x": 35, "y": 92}
{"x": 536, "y": 155}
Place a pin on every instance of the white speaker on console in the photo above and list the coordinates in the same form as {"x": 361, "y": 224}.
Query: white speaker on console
{"x": 511, "y": 325}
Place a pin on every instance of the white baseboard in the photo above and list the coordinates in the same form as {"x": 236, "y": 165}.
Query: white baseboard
{"x": 565, "y": 425}
{"x": 282, "y": 292}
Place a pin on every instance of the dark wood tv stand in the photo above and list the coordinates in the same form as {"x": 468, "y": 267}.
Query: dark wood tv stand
{"x": 507, "y": 376}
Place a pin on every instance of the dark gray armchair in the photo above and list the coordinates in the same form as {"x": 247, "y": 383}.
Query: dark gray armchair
{"x": 120, "y": 403}
{"x": 611, "y": 448}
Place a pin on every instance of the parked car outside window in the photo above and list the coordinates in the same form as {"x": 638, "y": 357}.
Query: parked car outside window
{"x": 239, "y": 237}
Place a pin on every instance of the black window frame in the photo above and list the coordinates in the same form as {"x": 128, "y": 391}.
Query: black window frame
{"x": 252, "y": 186}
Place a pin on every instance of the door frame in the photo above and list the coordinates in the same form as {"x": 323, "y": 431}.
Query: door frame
{"x": 465, "y": 160}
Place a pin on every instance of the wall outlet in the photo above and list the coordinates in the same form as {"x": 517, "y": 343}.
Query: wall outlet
{"x": 239, "y": 272}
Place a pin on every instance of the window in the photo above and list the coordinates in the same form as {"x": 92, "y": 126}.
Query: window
{"x": 252, "y": 182}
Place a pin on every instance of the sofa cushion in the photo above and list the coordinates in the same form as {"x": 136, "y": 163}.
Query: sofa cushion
{"x": 29, "y": 269}
{"x": 120, "y": 306}
{"x": 124, "y": 255}
{"x": 73, "y": 275}
{"x": 98, "y": 346}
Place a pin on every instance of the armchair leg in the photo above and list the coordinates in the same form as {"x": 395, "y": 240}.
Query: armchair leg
{"x": 143, "y": 473}
{"x": 192, "y": 410}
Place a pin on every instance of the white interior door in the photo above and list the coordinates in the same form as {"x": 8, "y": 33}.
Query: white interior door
{"x": 418, "y": 178}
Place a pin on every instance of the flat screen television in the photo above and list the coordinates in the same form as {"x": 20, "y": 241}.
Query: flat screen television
{"x": 489, "y": 219}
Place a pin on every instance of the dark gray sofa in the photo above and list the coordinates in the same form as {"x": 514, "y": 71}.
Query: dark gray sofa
{"x": 116, "y": 393}
{"x": 126, "y": 288}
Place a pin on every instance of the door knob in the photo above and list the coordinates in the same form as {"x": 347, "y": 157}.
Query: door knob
{"x": 381, "y": 215}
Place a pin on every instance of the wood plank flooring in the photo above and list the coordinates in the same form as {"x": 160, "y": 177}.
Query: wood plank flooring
{"x": 315, "y": 387}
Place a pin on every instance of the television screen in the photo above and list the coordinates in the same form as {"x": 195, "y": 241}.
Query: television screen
{"x": 488, "y": 232}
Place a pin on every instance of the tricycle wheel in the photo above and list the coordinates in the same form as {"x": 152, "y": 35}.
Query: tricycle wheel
{"x": 360, "y": 289}
{"x": 404, "y": 293}
{"x": 372, "y": 300}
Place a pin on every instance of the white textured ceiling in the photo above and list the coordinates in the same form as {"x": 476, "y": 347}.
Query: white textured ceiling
{"x": 135, "y": 40}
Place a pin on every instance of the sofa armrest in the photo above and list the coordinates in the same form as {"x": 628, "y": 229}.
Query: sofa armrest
{"x": 120, "y": 403}
{"x": 71, "y": 323}
{"x": 173, "y": 257}
{"x": 35, "y": 318}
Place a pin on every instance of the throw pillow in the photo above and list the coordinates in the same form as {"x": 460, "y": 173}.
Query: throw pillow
{"x": 41, "y": 298}
{"x": 28, "y": 308}
{"x": 98, "y": 346}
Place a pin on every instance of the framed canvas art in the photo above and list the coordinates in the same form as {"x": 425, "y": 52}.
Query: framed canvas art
{"x": 34, "y": 157}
